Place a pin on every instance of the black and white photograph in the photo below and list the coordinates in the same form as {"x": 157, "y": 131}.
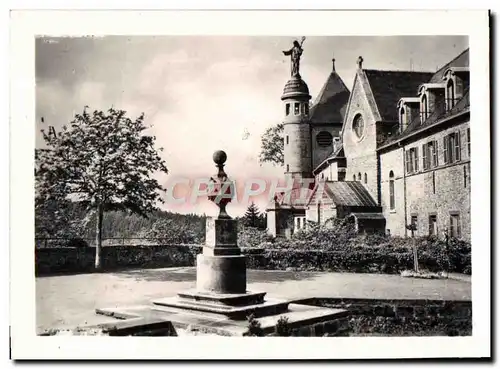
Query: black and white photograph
{"x": 206, "y": 185}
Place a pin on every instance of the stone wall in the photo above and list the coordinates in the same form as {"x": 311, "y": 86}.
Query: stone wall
{"x": 402, "y": 317}
{"x": 81, "y": 260}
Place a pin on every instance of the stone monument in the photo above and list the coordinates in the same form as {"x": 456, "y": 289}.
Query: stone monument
{"x": 221, "y": 283}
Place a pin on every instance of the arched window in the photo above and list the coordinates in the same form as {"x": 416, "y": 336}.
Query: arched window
{"x": 366, "y": 178}
{"x": 358, "y": 126}
{"x": 354, "y": 177}
{"x": 287, "y": 168}
{"x": 392, "y": 200}
{"x": 423, "y": 108}
{"x": 287, "y": 139}
{"x": 450, "y": 94}
{"x": 287, "y": 109}
{"x": 402, "y": 119}
{"x": 359, "y": 177}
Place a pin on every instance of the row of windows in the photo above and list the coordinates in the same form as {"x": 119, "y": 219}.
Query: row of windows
{"x": 359, "y": 177}
{"x": 300, "y": 222}
{"x": 452, "y": 150}
{"x": 298, "y": 108}
{"x": 453, "y": 230}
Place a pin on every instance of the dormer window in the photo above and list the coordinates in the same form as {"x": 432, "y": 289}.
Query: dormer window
{"x": 450, "y": 94}
{"x": 424, "y": 108}
{"x": 456, "y": 80}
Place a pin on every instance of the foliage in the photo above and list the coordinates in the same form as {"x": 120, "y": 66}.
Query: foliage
{"x": 338, "y": 248}
{"x": 57, "y": 219}
{"x": 167, "y": 231}
{"x": 282, "y": 329}
{"x": 105, "y": 162}
{"x": 365, "y": 325}
{"x": 254, "y": 327}
{"x": 272, "y": 146}
{"x": 249, "y": 237}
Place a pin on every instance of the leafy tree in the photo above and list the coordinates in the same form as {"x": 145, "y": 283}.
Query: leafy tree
{"x": 105, "y": 162}
{"x": 272, "y": 146}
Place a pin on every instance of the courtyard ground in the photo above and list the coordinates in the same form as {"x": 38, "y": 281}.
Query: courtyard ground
{"x": 70, "y": 300}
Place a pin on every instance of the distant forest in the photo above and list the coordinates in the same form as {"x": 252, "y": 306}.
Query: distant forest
{"x": 71, "y": 220}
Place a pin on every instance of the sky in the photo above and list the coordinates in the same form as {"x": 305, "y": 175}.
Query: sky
{"x": 205, "y": 93}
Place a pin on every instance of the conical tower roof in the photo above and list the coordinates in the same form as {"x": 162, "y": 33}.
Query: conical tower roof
{"x": 331, "y": 103}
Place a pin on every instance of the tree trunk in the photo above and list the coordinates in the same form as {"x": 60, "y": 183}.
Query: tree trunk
{"x": 98, "y": 237}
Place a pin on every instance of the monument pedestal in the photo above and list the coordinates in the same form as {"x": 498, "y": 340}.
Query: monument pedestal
{"x": 221, "y": 284}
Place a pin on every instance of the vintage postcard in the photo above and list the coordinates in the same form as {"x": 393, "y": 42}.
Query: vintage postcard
{"x": 250, "y": 177}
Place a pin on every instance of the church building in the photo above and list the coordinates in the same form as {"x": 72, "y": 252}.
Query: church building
{"x": 393, "y": 154}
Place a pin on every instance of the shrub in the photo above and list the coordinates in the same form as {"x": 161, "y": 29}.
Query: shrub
{"x": 320, "y": 248}
{"x": 254, "y": 328}
{"x": 250, "y": 237}
{"x": 282, "y": 329}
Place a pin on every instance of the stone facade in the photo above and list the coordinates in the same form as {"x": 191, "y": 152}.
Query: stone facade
{"x": 432, "y": 195}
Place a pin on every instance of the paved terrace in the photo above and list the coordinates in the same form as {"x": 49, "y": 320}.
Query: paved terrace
{"x": 70, "y": 300}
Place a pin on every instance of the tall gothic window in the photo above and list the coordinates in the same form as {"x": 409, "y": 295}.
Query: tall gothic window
{"x": 450, "y": 94}
{"x": 424, "y": 109}
{"x": 392, "y": 200}
{"x": 402, "y": 119}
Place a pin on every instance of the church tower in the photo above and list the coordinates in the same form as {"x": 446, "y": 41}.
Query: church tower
{"x": 297, "y": 130}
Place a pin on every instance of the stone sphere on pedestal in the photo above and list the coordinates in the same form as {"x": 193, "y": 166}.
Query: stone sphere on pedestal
{"x": 219, "y": 157}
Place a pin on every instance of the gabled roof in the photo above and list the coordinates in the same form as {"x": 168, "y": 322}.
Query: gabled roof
{"x": 331, "y": 103}
{"x": 388, "y": 87}
{"x": 346, "y": 193}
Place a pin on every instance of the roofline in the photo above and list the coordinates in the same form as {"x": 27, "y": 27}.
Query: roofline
{"x": 401, "y": 71}
{"x": 348, "y": 105}
{"x": 328, "y": 160}
{"x": 423, "y": 129}
{"x": 447, "y": 65}
{"x": 377, "y": 111}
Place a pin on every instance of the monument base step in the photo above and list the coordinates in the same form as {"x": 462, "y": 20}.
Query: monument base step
{"x": 215, "y": 306}
{"x": 302, "y": 320}
{"x": 229, "y": 299}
